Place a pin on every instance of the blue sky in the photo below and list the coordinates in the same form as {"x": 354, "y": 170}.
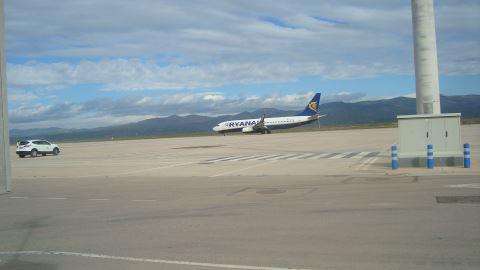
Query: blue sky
{"x": 91, "y": 63}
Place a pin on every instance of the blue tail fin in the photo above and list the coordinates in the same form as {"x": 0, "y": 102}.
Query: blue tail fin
{"x": 312, "y": 107}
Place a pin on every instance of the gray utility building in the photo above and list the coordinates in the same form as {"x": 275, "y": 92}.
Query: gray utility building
{"x": 440, "y": 130}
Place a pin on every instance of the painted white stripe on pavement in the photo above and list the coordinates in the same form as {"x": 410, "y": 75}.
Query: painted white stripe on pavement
{"x": 232, "y": 158}
{"x": 160, "y": 261}
{"x": 341, "y": 155}
{"x": 249, "y": 157}
{"x": 321, "y": 155}
{"x": 473, "y": 185}
{"x": 299, "y": 157}
{"x": 264, "y": 157}
{"x": 363, "y": 164}
{"x": 284, "y": 157}
{"x": 372, "y": 160}
{"x": 56, "y": 198}
{"x": 361, "y": 154}
{"x": 18, "y": 197}
{"x": 98, "y": 199}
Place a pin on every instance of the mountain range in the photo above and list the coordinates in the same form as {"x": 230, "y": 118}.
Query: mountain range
{"x": 337, "y": 113}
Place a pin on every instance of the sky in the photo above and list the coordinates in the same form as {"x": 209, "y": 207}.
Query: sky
{"x": 90, "y": 63}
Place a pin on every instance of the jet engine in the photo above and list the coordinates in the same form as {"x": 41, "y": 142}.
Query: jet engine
{"x": 248, "y": 130}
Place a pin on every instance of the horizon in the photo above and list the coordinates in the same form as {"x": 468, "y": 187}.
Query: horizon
{"x": 231, "y": 114}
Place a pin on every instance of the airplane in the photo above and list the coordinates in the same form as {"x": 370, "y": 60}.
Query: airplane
{"x": 266, "y": 125}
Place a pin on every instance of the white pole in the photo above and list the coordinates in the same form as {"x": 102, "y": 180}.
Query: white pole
{"x": 5, "y": 173}
{"x": 425, "y": 50}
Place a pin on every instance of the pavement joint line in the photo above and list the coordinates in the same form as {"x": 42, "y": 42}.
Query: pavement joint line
{"x": 144, "y": 200}
{"x": 134, "y": 259}
{"x": 98, "y": 199}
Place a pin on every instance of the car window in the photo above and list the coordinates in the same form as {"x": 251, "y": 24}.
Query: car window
{"x": 23, "y": 143}
{"x": 45, "y": 143}
{"x": 37, "y": 142}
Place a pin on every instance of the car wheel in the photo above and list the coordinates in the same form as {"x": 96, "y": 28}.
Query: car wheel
{"x": 55, "y": 151}
{"x": 33, "y": 153}
{"x": 21, "y": 156}
{"x": 43, "y": 154}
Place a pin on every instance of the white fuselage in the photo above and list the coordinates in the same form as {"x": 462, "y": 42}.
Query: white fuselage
{"x": 270, "y": 123}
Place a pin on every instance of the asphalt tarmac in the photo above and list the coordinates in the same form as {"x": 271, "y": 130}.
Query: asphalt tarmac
{"x": 317, "y": 200}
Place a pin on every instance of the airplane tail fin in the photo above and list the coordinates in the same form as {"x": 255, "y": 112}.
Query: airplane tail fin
{"x": 312, "y": 106}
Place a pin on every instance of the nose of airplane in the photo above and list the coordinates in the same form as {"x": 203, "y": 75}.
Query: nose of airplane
{"x": 215, "y": 128}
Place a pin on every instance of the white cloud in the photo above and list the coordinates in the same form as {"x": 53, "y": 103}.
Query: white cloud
{"x": 133, "y": 74}
{"x": 197, "y": 44}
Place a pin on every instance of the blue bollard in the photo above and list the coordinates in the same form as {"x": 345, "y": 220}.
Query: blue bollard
{"x": 394, "y": 157}
{"x": 430, "y": 159}
{"x": 466, "y": 155}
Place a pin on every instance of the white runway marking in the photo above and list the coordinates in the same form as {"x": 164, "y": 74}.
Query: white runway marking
{"x": 98, "y": 199}
{"x": 18, "y": 197}
{"x": 341, "y": 155}
{"x": 283, "y": 157}
{"x": 56, "y": 198}
{"x": 144, "y": 200}
{"x": 473, "y": 185}
{"x": 301, "y": 156}
{"x": 319, "y": 156}
{"x": 248, "y": 158}
{"x": 298, "y": 156}
{"x": 373, "y": 160}
{"x": 133, "y": 259}
{"x": 361, "y": 154}
{"x": 366, "y": 164}
{"x": 265, "y": 157}
{"x": 242, "y": 169}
